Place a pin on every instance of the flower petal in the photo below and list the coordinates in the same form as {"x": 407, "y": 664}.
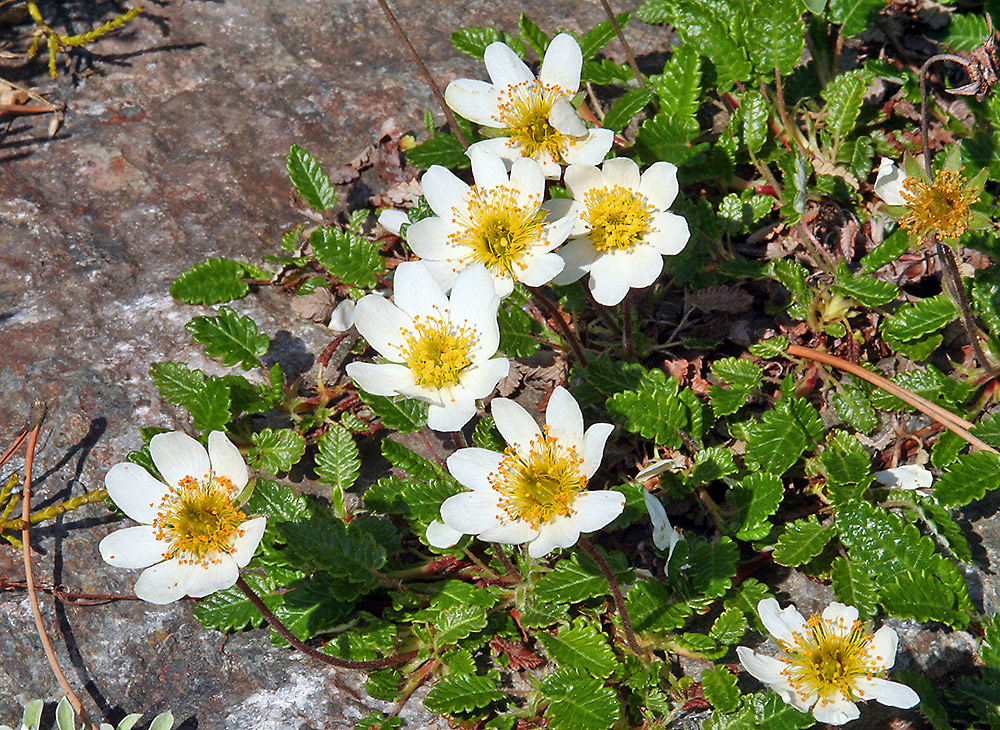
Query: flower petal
{"x": 578, "y": 256}
{"x": 246, "y": 544}
{"x": 507, "y": 148}
{"x": 889, "y": 182}
{"x": 894, "y": 694}
{"x": 668, "y": 233}
{"x": 624, "y": 172}
{"x": 595, "y": 510}
{"x": 562, "y": 63}
{"x": 205, "y": 579}
{"x": 451, "y": 416}
{"x": 443, "y": 190}
{"x": 580, "y": 179}
{"x": 609, "y": 279}
{"x": 665, "y": 537}
{"x": 472, "y": 466}
{"x": 594, "y": 440}
{"x": 589, "y": 150}
{"x": 473, "y": 302}
{"x": 540, "y": 269}
{"x": 382, "y": 323}
{"x": 659, "y": 184}
{"x": 908, "y": 476}
{"x": 561, "y": 532}
{"x": 226, "y": 460}
{"x": 441, "y": 536}
{"x": 428, "y": 238}
{"x": 393, "y": 220}
{"x": 177, "y": 455}
{"x": 512, "y": 532}
{"x": 564, "y": 119}
{"x": 488, "y": 168}
{"x": 504, "y": 66}
{"x": 135, "y": 491}
{"x": 527, "y": 178}
{"x": 781, "y": 623}
{"x": 479, "y": 382}
{"x": 342, "y": 318}
{"x": 835, "y": 712}
{"x": 564, "y": 417}
{"x": 417, "y": 292}
{"x": 471, "y": 512}
{"x": 882, "y": 648}
{"x": 475, "y": 100}
{"x": 840, "y": 618}
{"x": 133, "y": 547}
{"x": 767, "y": 669}
{"x": 514, "y": 423}
{"x": 381, "y": 378}
{"x": 163, "y": 583}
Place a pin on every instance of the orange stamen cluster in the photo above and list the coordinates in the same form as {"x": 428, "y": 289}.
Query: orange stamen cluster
{"x": 499, "y": 229}
{"x": 199, "y": 519}
{"x": 525, "y": 114}
{"x": 437, "y": 352}
{"x": 942, "y": 207}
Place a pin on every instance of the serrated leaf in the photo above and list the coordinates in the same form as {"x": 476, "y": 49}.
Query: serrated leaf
{"x": 921, "y": 318}
{"x": 729, "y": 627}
{"x": 206, "y": 399}
{"x": 726, "y": 401}
{"x": 770, "y": 348}
{"x": 705, "y": 27}
{"x": 418, "y": 501}
{"x": 777, "y": 442}
{"x": 719, "y": 687}
{"x": 337, "y": 459}
{"x": 486, "y": 436}
{"x": 232, "y": 338}
{"x": 275, "y": 451}
{"x": 462, "y": 693}
{"x": 516, "y": 328}
{"x": 756, "y": 497}
{"x": 444, "y": 150}
{"x": 581, "y": 647}
{"x": 571, "y": 582}
{"x": 802, "y": 541}
{"x": 535, "y": 37}
{"x": 947, "y": 530}
{"x": 473, "y": 41}
{"x": 325, "y": 543}
{"x": 231, "y": 610}
{"x": 650, "y": 608}
{"x": 405, "y": 415}
{"x": 853, "y": 15}
{"x": 738, "y": 371}
{"x": 378, "y": 721}
{"x": 754, "y": 114}
{"x": 922, "y": 596}
{"x": 351, "y": 258}
{"x": 666, "y": 137}
{"x": 653, "y": 410}
{"x": 679, "y": 86}
{"x": 214, "y": 281}
{"x": 886, "y": 252}
{"x": 710, "y": 464}
{"x": 412, "y": 463}
{"x": 315, "y": 605}
{"x": 276, "y": 501}
{"x": 578, "y": 701}
{"x": 866, "y": 290}
{"x": 789, "y": 273}
{"x": 457, "y": 622}
{"x": 746, "y": 598}
{"x": 968, "y": 478}
{"x": 711, "y": 567}
{"x": 610, "y": 375}
{"x": 625, "y": 108}
{"x": 309, "y": 179}
{"x": 845, "y": 460}
{"x": 597, "y": 37}
{"x": 930, "y": 706}
{"x": 761, "y": 710}
{"x": 843, "y": 97}
{"x": 853, "y": 586}
{"x": 774, "y": 35}
{"x": 853, "y": 407}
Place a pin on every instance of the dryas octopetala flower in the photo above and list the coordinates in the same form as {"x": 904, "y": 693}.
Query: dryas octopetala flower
{"x": 438, "y": 349}
{"x": 532, "y": 117}
{"x": 829, "y": 663}
{"x": 192, "y": 536}
{"x": 908, "y": 476}
{"x": 924, "y": 206}
{"x": 499, "y": 223}
{"x": 621, "y": 226}
{"x": 536, "y": 491}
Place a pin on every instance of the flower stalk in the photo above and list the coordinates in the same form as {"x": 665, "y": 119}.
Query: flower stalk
{"x": 616, "y": 593}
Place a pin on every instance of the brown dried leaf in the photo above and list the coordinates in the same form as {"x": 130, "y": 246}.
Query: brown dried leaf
{"x": 401, "y": 195}
{"x": 519, "y": 656}
{"x": 722, "y": 298}
{"x": 317, "y": 305}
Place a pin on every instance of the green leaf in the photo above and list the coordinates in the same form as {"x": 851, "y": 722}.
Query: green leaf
{"x": 405, "y": 415}
{"x": 843, "y": 97}
{"x": 761, "y": 710}
{"x": 782, "y": 436}
{"x": 852, "y": 405}
{"x": 206, "y": 399}
{"x": 473, "y": 41}
{"x": 324, "y": 543}
{"x": 746, "y": 598}
{"x": 866, "y": 290}
{"x": 989, "y": 649}
{"x": 738, "y": 371}
{"x": 757, "y": 497}
{"x": 378, "y": 721}
{"x": 919, "y": 595}
{"x": 232, "y": 338}
{"x": 801, "y": 541}
{"x": 457, "y": 622}
{"x": 572, "y": 581}
{"x": 625, "y": 108}
{"x": 754, "y": 114}
{"x": 679, "y": 86}
{"x": 413, "y": 464}
{"x": 706, "y": 29}
{"x": 774, "y": 35}
{"x": 966, "y": 31}
{"x": 650, "y": 608}
{"x": 653, "y": 410}
{"x": 969, "y": 478}
{"x": 275, "y": 451}
{"x": 462, "y": 693}
{"x": 719, "y": 686}
{"x": 486, "y": 436}
{"x": 535, "y": 37}
{"x": 417, "y": 501}
{"x": 710, "y": 464}
{"x": 276, "y": 501}
{"x": 516, "y": 326}
{"x": 309, "y": 179}
{"x": 337, "y": 459}
{"x": 443, "y": 149}
{"x": 351, "y": 258}
{"x": 597, "y": 37}
{"x": 930, "y": 706}
{"x": 384, "y": 685}
{"x": 853, "y": 15}
{"x": 231, "y": 610}
{"x": 726, "y": 401}
{"x": 946, "y": 449}
{"x": 248, "y": 398}
{"x": 845, "y": 460}
{"x": 216, "y": 280}
{"x": 666, "y": 137}
{"x": 710, "y": 572}
{"x": 578, "y": 701}
{"x": 789, "y": 273}
{"x": 582, "y": 647}
{"x": 853, "y": 586}
{"x": 609, "y": 375}
{"x": 886, "y": 252}
{"x": 729, "y": 627}
{"x": 921, "y": 318}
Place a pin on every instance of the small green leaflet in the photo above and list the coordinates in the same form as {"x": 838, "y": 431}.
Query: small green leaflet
{"x": 729, "y": 627}
{"x": 650, "y": 609}
{"x": 578, "y": 701}
{"x": 275, "y": 451}
{"x": 843, "y": 96}
{"x": 921, "y": 318}
{"x": 535, "y": 37}
{"x": 761, "y": 710}
{"x": 206, "y": 399}
{"x": 405, "y": 415}
{"x": 232, "y": 338}
{"x": 457, "y": 622}
{"x": 214, "y": 281}
{"x": 337, "y": 460}
{"x": 444, "y": 150}
{"x": 351, "y": 258}
{"x": 757, "y": 497}
{"x": 627, "y": 107}
{"x": 854, "y": 15}
{"x": 783, "y": 434}
{"x": 309, "y": 179}
{"x": 719, "y": 686}
{"x": 802, "y": 541}
{"x": 571, "y": 582}
{"x": 597, "y": 37}
{"x": 968, "y": 478}
{"x": 738, "y": 371}
{"x": 325, "y": 543}
{"x": 854, "y": 587}
{"x": 473, "y": 40}
{"x": 462, "y": 693}
{"x": 581, "y": 647}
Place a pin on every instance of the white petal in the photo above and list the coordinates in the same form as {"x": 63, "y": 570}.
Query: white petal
{"x": 564, "y": 119}
{"x": 665, "y": 537}
{"x": 560, "y": 208}
{"x": 766, "y": 669}
{"x": 472, "y": 466}
{"x": 381, "y": 378}
{"x": 443, "y": 190}
{"x": 163, "y": 583}
{"x": 889, "y": 693}
{"x": 417, "y": 292}
{"x": 480, "y": 381}
{"x": 609, "y": 279}
{"x": 439, "y": 535}
{"x": 582, "y": 178}
{"x": 835, "y": 712}
{"x": 428, "y": 239}
{"x": 205, "y": 579}
{"x": 589, "y": 150}
{"x": 475, "y": 100}
{"x": 882, "y": 648}
{"x": 593, "y": 447}
{"x": 624, "y": 172}
{"x": 889, "y": 182}
{"x": 506, "y": 147}
{"x": 226, "y": 460}
{"x": 562, "y": 63}
{"x": 503, "y": 284}
{"x": 840, "y": 618}
{"x": 578, "y": 256}
{"x": 488, "y": 168}
{"x": 342, "y": 318}
{"x": 514, "y": 423}
{"x": 562, "y": 532}
{"x": 382, "y": 324}
{"x": 549, "y": 164}
{"x": 451, "y": 416}
{"x": 246, "y": 544}
{"x": 177, "y": 455}
{"x": 527, "y": 178}
{"x": 393, "y": 220}
{"x": 659, "y": 184}
{"x": 595, "y": 510}
{"x": 641, "y": 265}
{"x": 668, "y": 233}
{"x": 564, "y": 417}
{"x": 511, "y": 532}
{"x": 539, "y": 269}
{"x": 474, "y": 302}
{"x": 781, "y": 623}
{"x": 135, "y": 491}
{"x": 504, "y": 66}
{"x": 133, "y": 547}
{"x": 471, "y": 512}
{"x": 909, "y": 476}
{"x": 657, "y": 467}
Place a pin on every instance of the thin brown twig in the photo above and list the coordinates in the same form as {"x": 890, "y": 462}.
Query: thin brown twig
{"x": 616, "y": 593}
{"x": 552, "y": 312}
{"x": 425, "y": 73}
{"x": 621, "y": 37}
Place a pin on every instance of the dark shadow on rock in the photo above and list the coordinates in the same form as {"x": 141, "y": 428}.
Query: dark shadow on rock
{"x": 192, "y": 722}
{"x": 291, "y": 352}
{"x": 83, "y": 447}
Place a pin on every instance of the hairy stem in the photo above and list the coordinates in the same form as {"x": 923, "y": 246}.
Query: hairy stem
{"x": 616, "y": 593}
{"x": 621, "y": 37}
{"x": 552, "y": 313}
{"x": 505, "y": 559}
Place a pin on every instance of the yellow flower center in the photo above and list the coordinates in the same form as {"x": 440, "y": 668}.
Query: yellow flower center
{"x": 498, "y": 229}
{"x": 618, "y": 217}
{"x": 541, "y": 486}
{"x": 437, "y": 352}
{"x": 525, "y": 114}
{"x": 942, "y": 207}
{"x": 199, "y": 519}
{"x": 829, "y": 663}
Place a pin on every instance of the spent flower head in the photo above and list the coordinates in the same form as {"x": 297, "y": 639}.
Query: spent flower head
{"x": 532, "y": 117}
{"x": 536, "y": 491}
{"x": 828, "y": 662}
{"x": 192, "y": 536}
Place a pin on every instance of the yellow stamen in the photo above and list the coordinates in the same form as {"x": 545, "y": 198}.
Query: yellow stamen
{"x": 618, "y": 217}
{"x": 437, "y": 352}
{"x": 525, "y": 114}
{"x": 199, "y": 519}
{"x": 542, "y": 485}
{"x": 942, "y": 207}
{"x": 499, "y": 229}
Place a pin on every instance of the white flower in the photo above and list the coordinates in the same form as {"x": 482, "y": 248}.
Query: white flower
{"x": 536, "y": 491}
{"x": 908, "y": 476}
{"x": 829, "y": 662}
{"x": 889, "y": 182}
{"x": 500, "y": 223}
{"x": 665, "y": 537}
{"x": 192, "y": 537}
{"x": 621, "y": 226}
{"x": 439, "y": 349}
{"x": 532, "y": 117}
{"x": 342, "y": 318}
